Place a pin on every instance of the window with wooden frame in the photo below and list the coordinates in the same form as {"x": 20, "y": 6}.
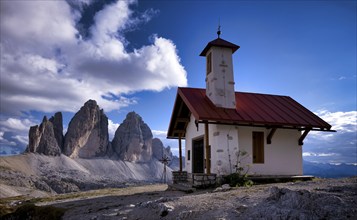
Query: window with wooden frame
{"x": 209, "y": 63}
{"x": 258, "y": 147}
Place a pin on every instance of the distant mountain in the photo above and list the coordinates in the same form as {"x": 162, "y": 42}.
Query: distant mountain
{"x": 87, "y": 137}
{"x": 133, "y": 140}
{"x": 84, "y": 158}
{"x": 37, "y": 174}
{"x": 326, "y": 170}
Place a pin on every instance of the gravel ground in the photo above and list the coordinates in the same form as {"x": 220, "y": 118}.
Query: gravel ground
{"x": 317, "y": 199}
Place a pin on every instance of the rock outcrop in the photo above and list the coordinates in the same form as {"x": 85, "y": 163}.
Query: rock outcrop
{"x": 284, "y": 203}
{"x": 87, "y": 137}
{"x": 87, "y": 134}
{"x": 42, "y": 139}
{"x": 57, "y": 123}
{"x": 159, "y": 151}
{"x": 133, "y": 140}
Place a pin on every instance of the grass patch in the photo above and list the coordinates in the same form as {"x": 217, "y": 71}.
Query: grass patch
{"x": 7, "y": 206}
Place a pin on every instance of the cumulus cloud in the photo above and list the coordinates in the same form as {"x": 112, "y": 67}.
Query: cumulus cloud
{"x": 48, "y": 66}
{"x": 16, "y": 124}
{"x": 112, "y": 127}
{"x": 336, "y": 147}
{"x": 340, "y": 121}
{"x": 14, "y": 134}
{"x": 22, "y": 139}
{"x": 311, "y": 154}
{"x": 159, "y": 133}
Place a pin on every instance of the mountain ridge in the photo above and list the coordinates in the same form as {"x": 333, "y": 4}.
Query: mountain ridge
{"x": 87, "y": 136}
{"x": 38, "y": 174}
{"x": 84, "y": 158}
{"x": 326, "y": 170}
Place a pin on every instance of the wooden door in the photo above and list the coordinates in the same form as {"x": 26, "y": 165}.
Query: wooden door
{"x": 258, "y": 147}
{"x": 197, "y": 156}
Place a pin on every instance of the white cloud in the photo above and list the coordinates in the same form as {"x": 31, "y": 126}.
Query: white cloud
{"x": 36, "y": 25}
{"x": 340, "y": 121}
{"x": 47, "y": 66}
{"x": 22, "y": 139}
{"x": 112, "y": 127}
{"x": 14, "y": 133}
{"x": 159, "y": 133}
{"x": 311, "y": 154}
{"x": 15, "y": 124}
{"x": 337, "y": 147}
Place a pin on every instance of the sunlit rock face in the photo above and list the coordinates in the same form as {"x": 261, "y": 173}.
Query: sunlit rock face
{"x": 42, "y": 139}
{"x": 133, "y": 140}
{"x": 57, "y": 123}
{"x": 87, "y": 134}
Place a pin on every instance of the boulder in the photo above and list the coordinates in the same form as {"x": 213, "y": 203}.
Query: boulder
{"x": 87, "y": 134}
{"x": 133, "y": 139}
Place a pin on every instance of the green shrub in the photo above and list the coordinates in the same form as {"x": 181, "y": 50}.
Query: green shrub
{"x": 240, "y": 177}
{"x": 237, "y": 180}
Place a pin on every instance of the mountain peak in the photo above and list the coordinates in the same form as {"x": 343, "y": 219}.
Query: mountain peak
{"x": 87, "y": 134}
{"x": 90, "y": 102}
{"x": 133, "y": 139}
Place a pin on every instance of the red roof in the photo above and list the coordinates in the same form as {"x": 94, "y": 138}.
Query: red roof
{"x": 252, "y": 109}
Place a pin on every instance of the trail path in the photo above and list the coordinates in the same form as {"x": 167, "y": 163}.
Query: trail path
{"x": 319, "y": 199}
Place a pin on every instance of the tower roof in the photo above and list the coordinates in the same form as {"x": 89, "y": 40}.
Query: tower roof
{"x": 219, "y": 42}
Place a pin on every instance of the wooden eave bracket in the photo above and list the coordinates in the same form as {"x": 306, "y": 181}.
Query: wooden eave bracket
{"x": 196, "y": 123}
{"x": 302, "y": 137}
{"x": 270, "y": 135}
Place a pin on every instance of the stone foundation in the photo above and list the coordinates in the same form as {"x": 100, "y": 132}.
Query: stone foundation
{"x": 196, "y": 180}
{"x": 179, "y": 177}
{"x": 201, "y": 180}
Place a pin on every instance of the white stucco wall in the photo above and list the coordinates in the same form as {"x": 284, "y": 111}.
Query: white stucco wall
{"x": 224, "y": 146}
{"x": 220, "y": 81}
{"x": 282, "y": 157}
{"x": 191, "y": 134}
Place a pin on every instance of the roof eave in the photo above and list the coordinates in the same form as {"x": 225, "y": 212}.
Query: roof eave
{"x": 265, "y": 124}
{"x": 220, "y": 43}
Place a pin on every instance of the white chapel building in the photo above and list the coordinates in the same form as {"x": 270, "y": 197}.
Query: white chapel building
{"x": 217, "y": 122}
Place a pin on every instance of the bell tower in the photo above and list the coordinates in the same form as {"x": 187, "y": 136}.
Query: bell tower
{"x": 219, "y": 72}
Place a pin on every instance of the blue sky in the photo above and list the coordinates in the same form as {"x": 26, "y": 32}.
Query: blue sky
{"x": 132, "y": 55}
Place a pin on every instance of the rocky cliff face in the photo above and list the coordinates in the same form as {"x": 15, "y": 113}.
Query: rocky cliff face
{"x": 87, "y": 137}
{"x": 42, "y": 139}
{"x": 133, "y": 140}
{"x": 87, "y": 134}
{"x": 159, "y": 150}
{"x": 57, "y": 123}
